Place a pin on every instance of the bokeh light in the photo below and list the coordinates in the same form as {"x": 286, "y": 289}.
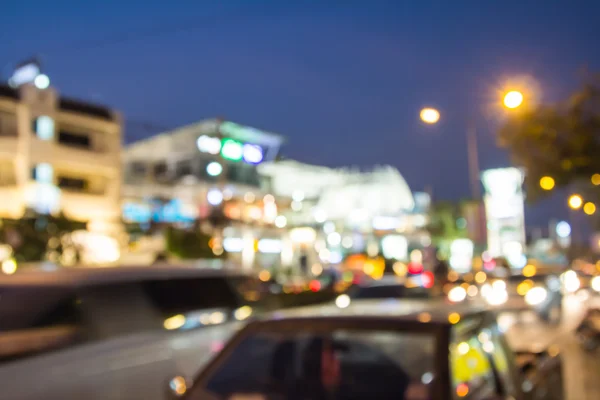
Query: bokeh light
{"x": 547, "y": 183}
{"x": 430, "y": 115}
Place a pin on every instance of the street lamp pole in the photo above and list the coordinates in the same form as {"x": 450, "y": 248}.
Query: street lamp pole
{"x": 473, "y": 159}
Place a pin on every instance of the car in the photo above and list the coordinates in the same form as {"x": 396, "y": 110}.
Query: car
{"x": 540, "y": 292}
{"x": 389, "y": 286}
{"x": 374, "y": 349}
{"x": 105, "y": 333}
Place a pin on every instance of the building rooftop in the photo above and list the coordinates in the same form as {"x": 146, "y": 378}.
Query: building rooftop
{"x": 67, "y": 104}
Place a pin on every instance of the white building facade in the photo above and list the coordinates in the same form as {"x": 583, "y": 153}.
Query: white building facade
{"x": 337, "y": 212}
{"x": 58, "y": 155}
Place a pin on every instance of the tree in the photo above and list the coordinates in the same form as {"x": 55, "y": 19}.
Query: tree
{"x": 445, "y": 222}
{"x": 561, "y": 141}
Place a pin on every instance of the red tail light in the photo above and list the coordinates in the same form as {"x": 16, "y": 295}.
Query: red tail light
{"x": 315, "y": 285}
{"x": 427, "y": 279}
{"x": 414, "y": 268}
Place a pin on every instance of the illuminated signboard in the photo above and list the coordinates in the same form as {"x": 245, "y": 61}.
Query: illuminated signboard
{"x": 252, "y": 154}
{"x": 209, "y": 144}
{"x": 232, "y": 150}
{"x": 504, "y": 206}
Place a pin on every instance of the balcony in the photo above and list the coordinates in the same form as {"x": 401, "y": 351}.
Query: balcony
{"x": 12, "y": 204}
{"x": 85, "y": 207}
{"x": 75, "y": 158}
{"x": 8, "y": 146}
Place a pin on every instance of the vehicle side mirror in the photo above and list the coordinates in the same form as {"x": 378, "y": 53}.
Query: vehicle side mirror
{"x": 177, "y": 387}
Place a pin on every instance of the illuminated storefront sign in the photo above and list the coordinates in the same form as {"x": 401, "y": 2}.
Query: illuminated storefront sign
{"x": 504, "y": 206}
{"x": 209, "y": 144}
{"x": 172, "y": 211}
{"x": 252, "y": 154}
{"x": 230, "y": 149}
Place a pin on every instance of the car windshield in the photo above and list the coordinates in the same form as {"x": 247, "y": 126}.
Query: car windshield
{"x": 337, "y": 365}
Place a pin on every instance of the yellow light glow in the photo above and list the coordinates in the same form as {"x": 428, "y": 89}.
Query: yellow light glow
{"x": 454, "y": 318}
{"x": 316, "y": 269}
{"x": 264, "y": 275}
{"x": 452, "y": 276}
{"x": 513, "y": 99}
{"x": 529, "y": 270}
{"x": 524, "y": 287}
{"x": 472, "y": 291}
{"x": 9, "y": 266}
{"x": 596, "y": 179}
{"x": 480, "y": 277}
{"x": 400, "y": 268}
{"x": 430, "y": 115}
{"x": 178, "y": 385}
{"x": 424, "y": 317}
{"x": 174, "y": 322}
{"x": 589, "y": 208}
{"x": 242, "y": 313}
{"x": 547, "y": 183}
{"x": 575, "y": 201}
{"x": 463, "y": 348}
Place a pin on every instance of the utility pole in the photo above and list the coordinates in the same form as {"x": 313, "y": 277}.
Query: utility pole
{"x": 473, "y": 159}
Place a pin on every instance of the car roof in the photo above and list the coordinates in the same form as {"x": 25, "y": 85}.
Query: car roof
{"x": 416, "y": 310}
{"x": 386, "y": 280}
{"x": 92, "y": 276}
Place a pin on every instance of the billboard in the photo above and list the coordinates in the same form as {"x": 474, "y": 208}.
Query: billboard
{"x": 505, "y": 213}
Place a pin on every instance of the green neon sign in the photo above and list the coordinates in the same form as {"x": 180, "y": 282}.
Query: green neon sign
{"x": 232, "y": 150}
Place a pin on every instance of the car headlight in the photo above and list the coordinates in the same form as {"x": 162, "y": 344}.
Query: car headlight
{"x": 596, "y": 283}
{"x": 536, "y": 296}
{"x": 497, "y": 296}
{"x": 571, "y": 281}
{"x": 342, "y": 301}
{"x": 457, "y": 294}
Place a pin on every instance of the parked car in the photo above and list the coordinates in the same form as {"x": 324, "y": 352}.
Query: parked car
{"x": 114, "y": 333}
{"x": 374, "y": 350}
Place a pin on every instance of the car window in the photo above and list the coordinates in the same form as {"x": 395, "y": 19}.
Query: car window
{"x": 177, "y": 296}
{"x": 378, "y": 292}
{"x": 37, "y": 320}
{"x": 342, "y": 364}
{"x": 471, "y": 369}
{"x": 494, "y": 344}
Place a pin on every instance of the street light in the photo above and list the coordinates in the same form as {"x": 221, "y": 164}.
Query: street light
{"x": 513, "y": 99}
{"x": 430, "y": 115}
{"x": 589, "y": 208}
{"x": 575, "y": 201}
{"x": 547, "y": 183}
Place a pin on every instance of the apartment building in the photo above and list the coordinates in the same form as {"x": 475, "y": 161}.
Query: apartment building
{"x": 58, "y": 155}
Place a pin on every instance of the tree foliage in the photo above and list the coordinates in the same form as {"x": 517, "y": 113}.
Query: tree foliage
{"x": 444, "y": 222}
{"x": 561, "y": 140}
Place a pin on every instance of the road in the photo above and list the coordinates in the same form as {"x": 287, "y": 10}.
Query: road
{"x": 581, "y": 369}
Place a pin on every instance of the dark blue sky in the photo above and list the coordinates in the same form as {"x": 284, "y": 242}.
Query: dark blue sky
{"x": 343, "y": 80}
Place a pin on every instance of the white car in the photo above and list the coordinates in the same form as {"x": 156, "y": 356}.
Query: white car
{"x": 114, "y": 333}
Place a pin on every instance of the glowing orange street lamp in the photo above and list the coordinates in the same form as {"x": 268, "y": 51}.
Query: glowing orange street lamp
{"x": 513, "y": 99}
{"x": 575, "y": 201}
